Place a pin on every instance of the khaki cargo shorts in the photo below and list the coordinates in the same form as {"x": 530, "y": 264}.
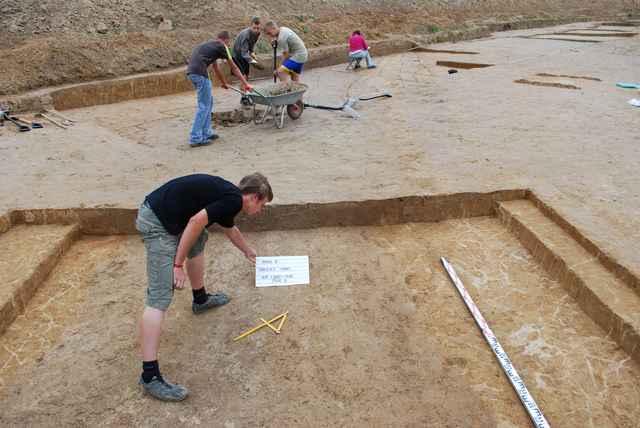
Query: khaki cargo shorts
{"x": 161, "y": 249}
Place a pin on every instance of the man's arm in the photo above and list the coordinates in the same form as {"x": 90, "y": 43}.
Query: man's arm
{"x": 246, "y": 50}
{"x": 252, "y": 46}
{"x": 194, "y": 228}
{"x": 219, "y": 75}
{"x": 235, "y": 70}
{"x": 237, "y": 239}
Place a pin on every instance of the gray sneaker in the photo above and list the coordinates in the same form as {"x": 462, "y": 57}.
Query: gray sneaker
{"x": 163, "y": 390}
{"x": 213, "y": 301}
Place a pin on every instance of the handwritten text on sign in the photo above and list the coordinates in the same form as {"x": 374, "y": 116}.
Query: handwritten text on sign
{"x": 282, "y": 271}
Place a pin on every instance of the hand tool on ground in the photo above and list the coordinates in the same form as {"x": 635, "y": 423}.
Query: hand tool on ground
{"x": 33, "y": 125}
{"x": 62, "y": 119}
{"x": 264, "y": 324}
{"x": 50, "y": 119}
{"x": 382, "y": 95}
{"x": 21, "y": 127}
{"x": 348, "y": 105}
{"x": 349, "y": 102}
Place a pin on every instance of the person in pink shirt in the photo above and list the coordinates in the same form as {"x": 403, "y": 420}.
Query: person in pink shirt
{"x": 359, "y": 50}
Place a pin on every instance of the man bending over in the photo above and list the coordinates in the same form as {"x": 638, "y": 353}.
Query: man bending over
{"x": 173, "y": 221}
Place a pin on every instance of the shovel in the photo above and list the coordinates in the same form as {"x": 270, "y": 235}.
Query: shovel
{"x": 275, "y": 59}
{"x": 34, "y": 125}
{"x": 21, "y": 127}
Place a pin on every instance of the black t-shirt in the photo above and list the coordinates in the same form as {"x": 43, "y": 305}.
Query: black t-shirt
{"x": 206, "y": 54}
{"x": 181, "y": 198}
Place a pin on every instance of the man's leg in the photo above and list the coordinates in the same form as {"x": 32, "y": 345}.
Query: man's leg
{"x": 283, "y": 74}
{"x": 161, "y": 249}
{"x": 355, "y": 58}
{"x": 151, "y": 328}
{"x": 202, "y": 300}
{"x": 207, "y": 128}
{"x": 243, "y": 65}
{"x": 195, "y": 271}
{"x": 196, "y": 136}
{"x": 370, "y": 63}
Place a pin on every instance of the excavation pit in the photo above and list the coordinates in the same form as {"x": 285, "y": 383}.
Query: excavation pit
{"x": 440, "y": 51}
{"x": 560, "y": 39}
{"x": 462, "y": 65}
{"x": 569, "y": 76}
{"x": 545, "y": 84}
{"x": 622, "y": 24}
{"x": 594, "y": 34}
{"x": 379, "y": 336}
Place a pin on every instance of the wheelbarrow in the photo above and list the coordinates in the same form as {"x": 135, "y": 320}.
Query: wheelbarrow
{"x": 278, "y": 99}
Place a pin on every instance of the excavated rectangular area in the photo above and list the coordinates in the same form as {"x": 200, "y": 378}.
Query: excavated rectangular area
{"x": 447, "y": 51}
{"x": 380, "y": 336}
{"x": 594, "y": 34}
{"x": 462, "y": 65}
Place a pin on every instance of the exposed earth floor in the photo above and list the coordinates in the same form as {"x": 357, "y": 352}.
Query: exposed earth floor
{"x": 380, "y": 336}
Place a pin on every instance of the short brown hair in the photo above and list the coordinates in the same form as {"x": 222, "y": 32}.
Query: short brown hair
{"x": 271, "y": 24}
{"x": 255, "y": 20}
{"x": 224, "y": 35}
{"x": 258, "y": 184}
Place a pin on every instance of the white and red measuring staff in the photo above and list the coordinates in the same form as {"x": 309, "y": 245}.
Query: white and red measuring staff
{"x": 527, "y": 400}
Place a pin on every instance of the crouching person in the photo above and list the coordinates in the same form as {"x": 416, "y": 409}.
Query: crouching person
{"x": 173, "y": 221}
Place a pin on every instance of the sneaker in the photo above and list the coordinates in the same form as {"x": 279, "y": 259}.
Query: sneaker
{"x": 163, "y": 390}
{"x": 213, "y": 301}
{"x": 213, "y": 137}
{"x": 201, "y": 143}
{"x": 372, "y": 66}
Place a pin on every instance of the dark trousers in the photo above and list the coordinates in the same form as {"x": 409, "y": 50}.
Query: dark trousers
{"x": 242, "y": 64}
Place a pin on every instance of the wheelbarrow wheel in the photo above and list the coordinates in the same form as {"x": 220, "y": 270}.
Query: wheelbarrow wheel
{"x": 295, "y": 110}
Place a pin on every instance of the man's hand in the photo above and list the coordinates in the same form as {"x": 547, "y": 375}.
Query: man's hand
{"x": 179, "y": 277}
{"x": 248, "y": 87}
{"x": 224, "y": 85}
{"x": 253, "y": 55}
{"x": 251, "y": 255}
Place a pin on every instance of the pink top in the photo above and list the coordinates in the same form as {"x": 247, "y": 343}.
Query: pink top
{"x": 357, "y": 43}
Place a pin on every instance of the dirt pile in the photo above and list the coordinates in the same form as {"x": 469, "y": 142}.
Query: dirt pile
{"x": 50, "y": 42}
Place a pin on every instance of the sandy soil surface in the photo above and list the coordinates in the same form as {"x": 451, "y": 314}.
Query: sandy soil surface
{"x": 379, "y": 337}
{"x": 68, "y": 39}
{"x": 440, "y": 133}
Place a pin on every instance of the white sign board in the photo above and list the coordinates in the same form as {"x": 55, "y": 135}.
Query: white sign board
{"x": 282, "y": 271}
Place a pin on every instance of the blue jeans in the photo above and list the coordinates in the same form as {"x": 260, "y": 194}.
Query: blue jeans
{"x": 202, "y": 128}
{"x": 359, "y": 56}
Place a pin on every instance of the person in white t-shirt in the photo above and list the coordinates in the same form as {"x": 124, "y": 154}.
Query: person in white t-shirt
{"x": 292, "y": 48}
